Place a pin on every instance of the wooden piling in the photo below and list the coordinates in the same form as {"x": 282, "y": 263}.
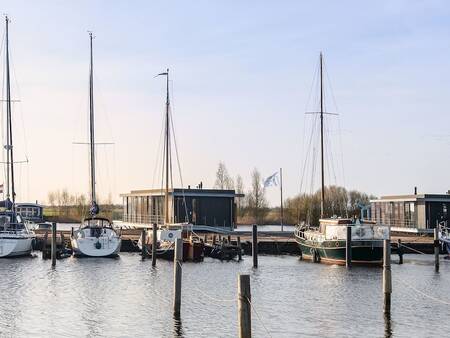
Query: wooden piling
{"x": 205, "y": 239}
{"x": 214, "y": 240}
{"x": 348, "y": 248}
{"x": 53, "y": 254}
{"x": 229, "y": 239}
{"x": 239, "y": 248}
{"x": 387, "y": 277}
{"x": 154, "y": 243}
{"x": 436, "y": 248}
{"x": 177, "y": 259}
{"x": 244, "y": 307}
{"x": 400, "y": 251}
{"x": 255, "y": 245}
{"x": 144, "y": 243}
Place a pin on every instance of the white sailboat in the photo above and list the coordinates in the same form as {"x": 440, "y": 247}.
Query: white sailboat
{"x": 15, "y": 238}
{"x": 96, "y": 236}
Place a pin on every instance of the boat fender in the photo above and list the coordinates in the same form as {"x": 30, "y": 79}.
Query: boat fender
{"x": 98, "y": 245}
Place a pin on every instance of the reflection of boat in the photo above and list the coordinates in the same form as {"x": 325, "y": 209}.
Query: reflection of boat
{"x": 96, "y": 236}
{"x": 15, "y": 238}
{"x": 327, "y": 242}
{"x": 168, "y": 232}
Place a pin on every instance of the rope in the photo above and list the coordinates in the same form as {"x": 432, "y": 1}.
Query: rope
{"x": 259, "y": 318}
{"x": 424, "y": 294}
{"x": 423, "y": 253}
{"x": 212, "y": 298}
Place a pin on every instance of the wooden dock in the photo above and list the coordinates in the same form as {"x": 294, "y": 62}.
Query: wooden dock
{"x": 276, "y": 243}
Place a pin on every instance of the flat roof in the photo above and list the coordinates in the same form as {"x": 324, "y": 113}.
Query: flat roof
{"x": 183, "y": 192}
{"x": 413, "y": 198}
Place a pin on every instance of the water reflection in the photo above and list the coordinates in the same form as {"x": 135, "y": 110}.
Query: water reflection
{"x": 125, "y": 297}
{"x": 177, "y": 327}
{"x": 387, "y": 326}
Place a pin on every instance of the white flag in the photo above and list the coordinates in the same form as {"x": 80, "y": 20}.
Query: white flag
{"x": 272, "y": 180}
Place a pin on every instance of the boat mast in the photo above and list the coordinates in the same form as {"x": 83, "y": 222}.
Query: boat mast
{"x": 166, "y": 200}
{"x": 94, "y": 208}
{"x": 9, "y": 148}
{"x": 322, "y": 197}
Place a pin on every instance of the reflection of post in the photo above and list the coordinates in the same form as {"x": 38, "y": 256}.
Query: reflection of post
{"x": 436, "y": 248}
{"x": 177, "y": 259}
{"x": 387, "y": 282}
{"x": 387, "y": 326}
{"x": 244, "y": 309}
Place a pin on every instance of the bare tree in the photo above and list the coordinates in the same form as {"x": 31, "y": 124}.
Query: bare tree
{"x": 51, "y": 197}
{"x": 257, "y": 203}
{"x": 223, "y": 179}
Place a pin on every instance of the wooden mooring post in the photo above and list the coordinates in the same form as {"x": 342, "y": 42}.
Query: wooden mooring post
{"x": 348, "y": 248}
{"x": 400, "y": 251}
{"x": 154, "y": 243}
{"x": 387, "y": 277}
{"x": 53, "y": 254}
{"x": 144, "y": 244}
{"x": 436, "y": 248}
{"x": 244, "y": 307}
{"x": 239, "y": 248}
{"x": 255, "y": 245}
{"x": 177, "y": 271}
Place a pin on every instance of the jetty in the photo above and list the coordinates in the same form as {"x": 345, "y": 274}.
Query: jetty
{"x": 269, "y": 242}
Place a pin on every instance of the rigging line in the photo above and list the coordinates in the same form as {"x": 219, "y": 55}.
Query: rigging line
{"x": 24, "y": 135}
{"x": 172, "y": 109}
{"x": 307, "y": 156}
{"x": 158, "y": 153}
{"x": 3, "y": 105}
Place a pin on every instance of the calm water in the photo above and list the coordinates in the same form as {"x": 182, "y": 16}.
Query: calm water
{"x": 125, "y": 297}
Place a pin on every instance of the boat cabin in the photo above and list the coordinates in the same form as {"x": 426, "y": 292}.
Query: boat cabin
{"x": 336, "y": 229}
{"x": 30, "y": 211}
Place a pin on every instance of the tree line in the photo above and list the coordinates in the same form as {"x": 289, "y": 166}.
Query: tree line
{"x": 253, "y": 207}
{"x": 74, "y": 207}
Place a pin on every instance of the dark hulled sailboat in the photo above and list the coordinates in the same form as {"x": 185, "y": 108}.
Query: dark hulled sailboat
{"x": 327, "y": 242}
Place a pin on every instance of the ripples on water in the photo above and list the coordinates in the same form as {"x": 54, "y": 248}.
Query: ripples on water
{"x": 125, "y": 297}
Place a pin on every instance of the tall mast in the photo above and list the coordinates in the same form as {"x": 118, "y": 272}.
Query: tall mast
{"x": 91, "y": 128}
{"x": 322, "y": 197}
{"x": 9, "y": 147}
{"x": 166, "y": 200}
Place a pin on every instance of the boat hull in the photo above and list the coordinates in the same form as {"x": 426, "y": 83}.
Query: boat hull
{"x": 369, "y": 252}
{"x": 15, "y": 245}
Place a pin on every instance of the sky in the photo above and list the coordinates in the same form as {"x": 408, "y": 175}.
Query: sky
{"x": 242, "y": 73}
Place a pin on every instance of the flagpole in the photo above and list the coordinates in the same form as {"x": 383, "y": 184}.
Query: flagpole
{"x": 281, "y": 196}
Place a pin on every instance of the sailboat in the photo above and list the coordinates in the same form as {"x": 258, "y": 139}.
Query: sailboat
{"x": 168, "y": 232}
{"x": 15, "y": 237}
{"x": 327, "y": 243}
{"x": 96, "y": 236}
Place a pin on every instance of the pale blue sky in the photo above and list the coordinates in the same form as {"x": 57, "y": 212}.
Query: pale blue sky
{"x": 242, "y": 71}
